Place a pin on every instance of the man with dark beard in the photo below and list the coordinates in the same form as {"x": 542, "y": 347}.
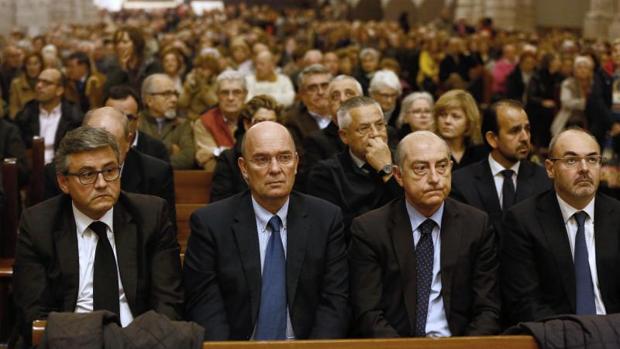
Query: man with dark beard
{"x": 506, "y": 176}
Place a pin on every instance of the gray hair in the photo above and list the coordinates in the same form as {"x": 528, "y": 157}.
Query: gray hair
{"x": 344, "y": 112}
{"x": 149, "y": 82}
{"x": 408, "y": 101}
{"x": 111, "y": 113}
{"x": 230, "y": 75}
{"x": 385, "y": 78}
{"x": 369, "y": 51}
{"x": 83, "y": 139}
{"x": 343, "y": 77}
{"x": 313, "y": 69}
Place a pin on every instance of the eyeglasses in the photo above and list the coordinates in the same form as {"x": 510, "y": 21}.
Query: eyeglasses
{"x": 572, "y": 161}
{"x": 419, "y": 111}
{"x": 166, "y": 94}
{"x": 385, "y": 95}
{"x": 47, "y": 82}
{"x": 422, "y": 169}
{"x": 265, "y": 160}
{"x": 87, "y": 177}
{"x": 226, "y": 93}
{"x": 367, "y": 129}
{"x": 314, "y": 88}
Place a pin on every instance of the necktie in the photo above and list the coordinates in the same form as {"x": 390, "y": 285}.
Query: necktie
{"x": 424, "y": 275}
{"x": 583, "y": 278}
{"x": 160, "y": 125}
{"x": 272, "y": 312}
{"x": 105, "y": 279}
{"x": 508, "y": 190}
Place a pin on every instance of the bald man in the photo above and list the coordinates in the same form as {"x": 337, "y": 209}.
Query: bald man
{"x": 266, "y": 81}
{"x": 141, "y": 173}
{"x": 424, "y": 264}
{"x": 268, "y": 263}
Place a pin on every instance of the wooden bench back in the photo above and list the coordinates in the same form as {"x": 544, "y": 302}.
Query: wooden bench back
{"x": 192, "y": 186}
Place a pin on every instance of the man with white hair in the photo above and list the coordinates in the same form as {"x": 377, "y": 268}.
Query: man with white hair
{"x": 159, "y": 120}
{"x": 266, "y": 81}
{"x": 215, "y": 130}
{"x": 385, "y": 88}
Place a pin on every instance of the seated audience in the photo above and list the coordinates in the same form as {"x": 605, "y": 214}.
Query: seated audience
{"x": 573, "y": 96}
{"x": 424, "y": 264}
{"x": 267, "y": 81}
{"x": 385, "y": 88}
{"x": 199, "y": 90}
{"x": 172, "y": 63}
{"x": 416, "y": 114}
{"x": 84, "y": 85}
{"x": 23, "y": 86}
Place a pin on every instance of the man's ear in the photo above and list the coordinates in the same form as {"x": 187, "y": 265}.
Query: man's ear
{"x": 491, "y": 139}
{"x": 344, "y": 136}
{"x": 398, "y": 175}
{"x": 244, "y": 171}
{"x": 549, "y": 168}
{"x": 63, "y": 183}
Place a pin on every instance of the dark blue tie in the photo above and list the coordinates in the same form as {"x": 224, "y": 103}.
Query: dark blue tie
{"x": 272, "y": 312}
{"x": 424, "y": 275}
{"x": 508, "y": 190}
{"x": 583, "y": 277}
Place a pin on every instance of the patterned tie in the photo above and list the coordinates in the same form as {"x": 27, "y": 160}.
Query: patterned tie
{"x": 583, "y": 277}
{"x": 508, "y": 190}
{"x": 105, "y": 278}
{"x": 272, "y": 312}
{"x": 424, "y": 275}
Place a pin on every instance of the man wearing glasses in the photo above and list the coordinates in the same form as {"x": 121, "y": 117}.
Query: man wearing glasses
{"x": 560, "y": 250}
{"x": 268, "y": 263}
{"x": 48, "y": 115}
{"x": 424, "y": 264}
{"x": 96, "y": 248}
{"x": 160, "y": 120}
{"x": 360, "y": 178}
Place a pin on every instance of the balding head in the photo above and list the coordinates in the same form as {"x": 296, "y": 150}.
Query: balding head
{"x": 264, "y": 65}
{"x": 269, "y": 164}
{"x": 113, "y": 121}
{"x": 312, "y": 57}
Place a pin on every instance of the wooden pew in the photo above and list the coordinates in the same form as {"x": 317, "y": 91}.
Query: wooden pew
{"x": 8, "y": 239}
{"x": 7, "y": 318}
{"x": 183, "y": 213}
{"x": 192, "y": 186}
{"x": 36, "y": 187}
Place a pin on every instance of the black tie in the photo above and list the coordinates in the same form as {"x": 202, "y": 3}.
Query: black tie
{"x": 424, "y": 275}
{"x": 105, "y": 279}
{"x": 584, "y": 286}
{"x": 508, "y": 190}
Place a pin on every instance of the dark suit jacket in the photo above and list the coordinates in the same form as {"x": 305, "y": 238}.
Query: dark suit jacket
{"x": 227, "y": 178}
{"x": 538, "y": 277}
{"x": 474, "y": 185}
{"x": 142, "y": 174}
{"x": 301, "y": 124}
{"x": 28, "y": 121}
{"x": 383, "y": 271}
{"x": 153, "y": 147}
{"x": 46, "y": 271}
{"x": 222, "y": 269}
{"x": 321, "y": 145}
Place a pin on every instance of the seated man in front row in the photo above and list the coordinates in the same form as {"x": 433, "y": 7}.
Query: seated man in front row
{"x": 267, "y": 263}
{"x": 424, "y": 264}
{"x": 63, "y": 264}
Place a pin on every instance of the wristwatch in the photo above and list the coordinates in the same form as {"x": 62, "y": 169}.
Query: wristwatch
{"x": 386, "y": 170}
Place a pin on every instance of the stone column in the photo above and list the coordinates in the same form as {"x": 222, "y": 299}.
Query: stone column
{"x": 511, "y": 14}
{"x": 614, "y": 28}
{"x": 7, "y": 15}
{"x": 471, "y": 10}
{"x": 33, "y": 15}
{"x": 598, "y": 19}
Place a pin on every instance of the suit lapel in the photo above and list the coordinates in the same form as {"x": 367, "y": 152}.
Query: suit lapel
{"x": 246, "y": 236}
{"x": 67, "y": 254}
{"x": 450, "y": 236}
{"x": 402, "y": 241}
{"x": 126, "y": 241}
{"x": 524, "y": 187}
{"x": 485, "y": 185}
{"x": 297, "y": 233}
{"x": 550, "y": 218}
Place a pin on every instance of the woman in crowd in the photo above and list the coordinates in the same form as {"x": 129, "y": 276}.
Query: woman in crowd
{"x": 416, "y": 114}
{"x": 573, "y": 96}
{"x": 457, "y": 120}
{"x": 23, "y": 87}
{"x": 542, "y": 98}
{"x": 173, "y": 64}
{"x": 199, "y": 94}
{"x": 227, "y": 179}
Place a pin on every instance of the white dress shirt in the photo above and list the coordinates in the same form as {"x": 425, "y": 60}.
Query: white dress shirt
{"x": 322, "y": 121}
{"x": 571, "y": 228}
{"x": 48, "y": 123}
{"x": 436, "y": 321}
{"x": 498, "y": 177}
{"x": 87, "y": 246}
{"x": 264, "y": 233}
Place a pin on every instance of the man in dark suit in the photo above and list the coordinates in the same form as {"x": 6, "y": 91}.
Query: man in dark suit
{"x": 48, "y": 115}
{"x": 95, "y": 248}
{"x": 484, "y": 184}
{"x": 560, "y": 250}
{"x": 424, "y": 265}
{"x": 267, "y": 263}
{"x": 322, "y": 144}
{"x": 127, "y": 101}
{"x": 358, "y": 179}
{"x": 140, "y": 173}
{"x": 12, "y": 146}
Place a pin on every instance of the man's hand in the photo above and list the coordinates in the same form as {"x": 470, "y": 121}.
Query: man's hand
{"x": 378, "y": 153}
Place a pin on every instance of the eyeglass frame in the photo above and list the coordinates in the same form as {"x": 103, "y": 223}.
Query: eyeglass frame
{"x": 579, "y": 159}
{"x": 263, "y": 163}
{"x": 426, "y": 171}
{"x": 165, "y": 94}
{"x": 80, "y": 175}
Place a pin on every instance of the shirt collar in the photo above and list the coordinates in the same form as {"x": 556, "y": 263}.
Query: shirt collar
{"x": 416, "y": 218}
{"x": 496, "y": 168}
{"x": 568, "y": 211}
{"x": 357, "y": 161}
{"x": 263, "y": 216}
{"x": 82, "y": 221}
{"x": 135, "y": 139}
{"x": 55, "y": 111}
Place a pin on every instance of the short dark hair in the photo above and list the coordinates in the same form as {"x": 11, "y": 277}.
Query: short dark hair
{"x": 81, "y": 139}
{"x": 490, "y": 122}
{"x": 81, "y": 58}
{"x": 120, "y": 92}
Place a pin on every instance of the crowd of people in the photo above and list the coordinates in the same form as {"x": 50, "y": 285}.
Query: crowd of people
{"x": 370, "y": 179}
